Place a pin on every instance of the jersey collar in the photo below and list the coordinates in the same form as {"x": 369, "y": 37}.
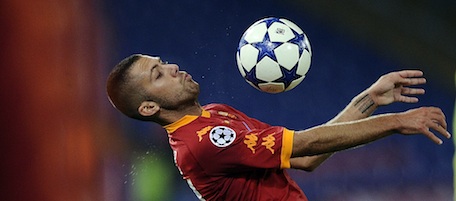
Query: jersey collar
{"x": 170, "y": 128}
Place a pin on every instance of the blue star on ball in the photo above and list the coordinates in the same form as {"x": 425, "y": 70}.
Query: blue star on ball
{"x": 288, "y": 76}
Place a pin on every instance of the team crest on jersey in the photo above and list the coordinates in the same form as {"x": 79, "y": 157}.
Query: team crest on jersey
{"x": 222, "y": 136}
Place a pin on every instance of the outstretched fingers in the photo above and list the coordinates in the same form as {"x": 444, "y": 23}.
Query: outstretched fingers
{"x": 409, "y": 81}
{"x": 438, "y": 129}
{"x": 433, "y": 137}
{"x": 411, "y": 77}
{"x": 437, "y": 124}
{"x": 412, "y": 91}
{"x": 410, "y": 73}
{"x": 409, "y": 91}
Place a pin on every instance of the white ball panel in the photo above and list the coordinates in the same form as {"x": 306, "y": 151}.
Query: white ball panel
{"x": 268, "y": 70}
{"x": 255, "y": 33}
{"x": 304, "y": 63}
{"x": 292, "y": 25}
{"x": 239, "y": 64}
{"x": 248, "y": 56}
{"x": 279, "y": 32}
{"x": 287, "y": 55}
{"x": 295, "y": 83}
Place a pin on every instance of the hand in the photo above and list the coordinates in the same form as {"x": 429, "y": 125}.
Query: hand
{"x": 421, "y": 120}
{"x": 394, "y": 86}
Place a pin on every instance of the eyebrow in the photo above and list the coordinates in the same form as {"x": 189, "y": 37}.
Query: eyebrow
{"x": 154, "y": 66}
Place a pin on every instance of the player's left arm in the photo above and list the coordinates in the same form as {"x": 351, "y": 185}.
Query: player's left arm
{"x": 389, "y": 88}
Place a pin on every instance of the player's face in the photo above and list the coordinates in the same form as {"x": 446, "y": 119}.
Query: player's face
{"x": 169, "y": 86}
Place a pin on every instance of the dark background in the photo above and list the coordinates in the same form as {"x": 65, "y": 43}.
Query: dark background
{"x": 62, "y": 140}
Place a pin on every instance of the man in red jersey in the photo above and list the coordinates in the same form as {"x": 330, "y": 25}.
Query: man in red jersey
{"x": 226, "y": 155}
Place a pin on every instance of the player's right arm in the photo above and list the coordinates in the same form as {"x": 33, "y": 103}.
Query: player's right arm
{"x": 389, "y": 88}
{"x": 329, "y": 138}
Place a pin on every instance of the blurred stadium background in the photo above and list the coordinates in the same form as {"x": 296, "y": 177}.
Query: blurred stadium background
{"x": 61, "y": 139}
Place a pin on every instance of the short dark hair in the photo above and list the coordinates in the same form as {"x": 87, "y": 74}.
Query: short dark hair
{"x": 122, "y": 92}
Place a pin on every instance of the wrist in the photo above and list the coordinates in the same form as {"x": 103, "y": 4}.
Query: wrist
{"x": 397, "y": 123}
{"x": 365, "y": 104}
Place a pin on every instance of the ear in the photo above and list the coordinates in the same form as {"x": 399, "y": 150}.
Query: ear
{"x": 148, "y": 108}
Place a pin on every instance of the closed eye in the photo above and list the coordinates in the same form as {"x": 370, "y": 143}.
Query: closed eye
{"x": 154, "y": 72}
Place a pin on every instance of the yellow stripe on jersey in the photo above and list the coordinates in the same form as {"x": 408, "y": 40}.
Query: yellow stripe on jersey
{"x": 206, "y": 114}
{"x": 170, "y": 128}
{"x": 287, "y": 145}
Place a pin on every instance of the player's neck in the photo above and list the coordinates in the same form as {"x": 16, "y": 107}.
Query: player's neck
{"x": 170, "y": 116}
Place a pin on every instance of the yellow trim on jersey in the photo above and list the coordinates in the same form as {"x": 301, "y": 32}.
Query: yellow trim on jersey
{"x": 170, "y": 128}
{"x": 287, "y": 145}
{"x": 205, "y": 113}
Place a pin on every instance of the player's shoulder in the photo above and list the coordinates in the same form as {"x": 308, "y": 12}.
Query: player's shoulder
{"x": 218, "y": 107}
{"x": 224, "y": 110}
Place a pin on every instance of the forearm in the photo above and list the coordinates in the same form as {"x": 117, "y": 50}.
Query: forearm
{"x": 360, "y": 107}
{"x": 329, "y": 138}
{"x": 389, "y": 88}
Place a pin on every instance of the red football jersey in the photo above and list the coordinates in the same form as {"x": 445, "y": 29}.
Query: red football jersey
{"x": 225, "y": 155}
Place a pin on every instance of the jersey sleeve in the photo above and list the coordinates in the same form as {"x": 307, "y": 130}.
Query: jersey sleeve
{"x": 268, "y": 148}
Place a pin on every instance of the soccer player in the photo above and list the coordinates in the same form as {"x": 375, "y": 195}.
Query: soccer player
{"x": 226, "y": 155}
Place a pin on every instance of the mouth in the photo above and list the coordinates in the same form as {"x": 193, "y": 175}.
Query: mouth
{"x": 186, "y": 76}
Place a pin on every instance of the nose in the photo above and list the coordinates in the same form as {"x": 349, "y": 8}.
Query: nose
{"x": 173, "y": 68}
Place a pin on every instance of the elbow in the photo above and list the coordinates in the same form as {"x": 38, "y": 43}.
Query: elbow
{"x": 305, "y": 164}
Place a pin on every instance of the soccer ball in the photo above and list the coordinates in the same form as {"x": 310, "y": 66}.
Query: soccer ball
{"x": 274, "y": 55}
